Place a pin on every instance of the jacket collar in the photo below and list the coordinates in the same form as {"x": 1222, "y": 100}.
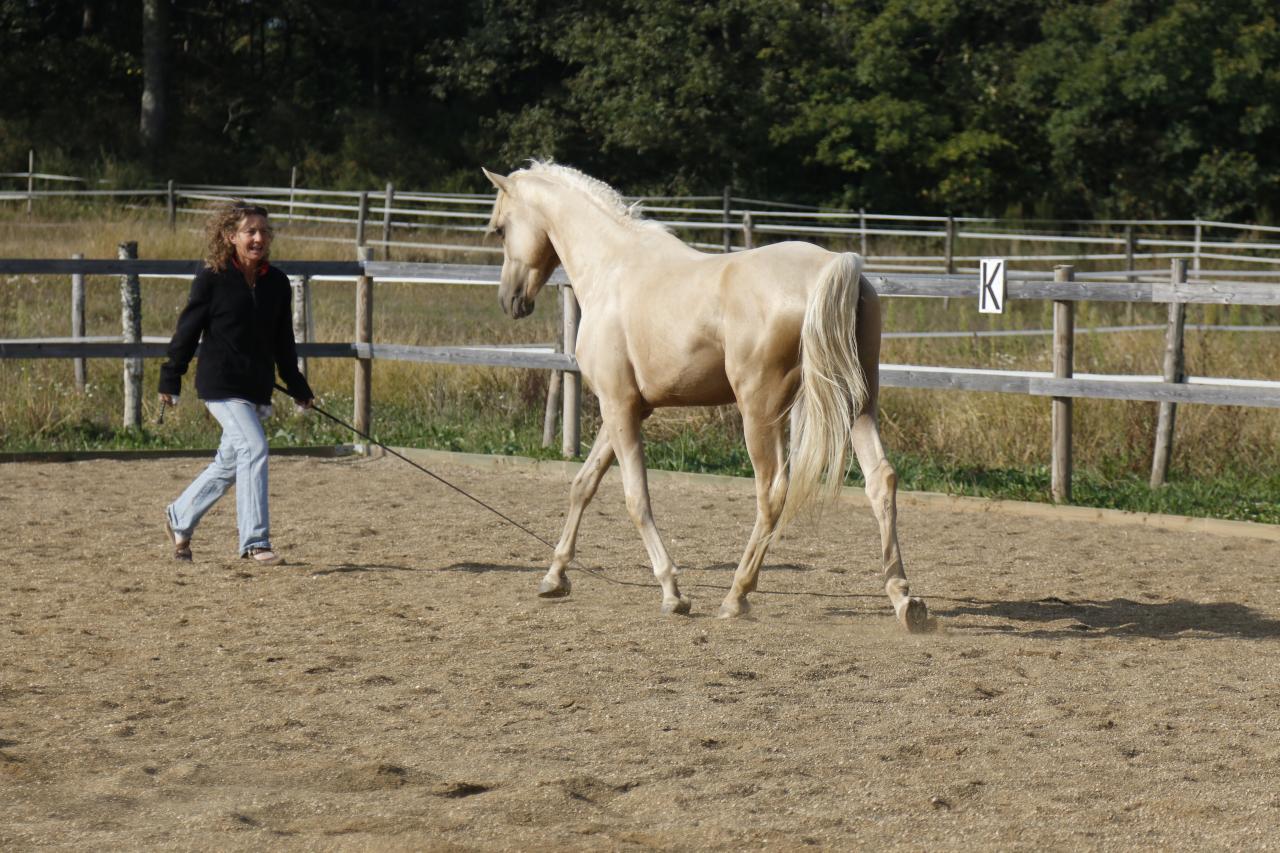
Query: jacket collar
{"x": 262, "y": 267}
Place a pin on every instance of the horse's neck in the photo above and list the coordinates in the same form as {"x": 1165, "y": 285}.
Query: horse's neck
{"x": 587, "y": 240}
{"x": 591, "y": 243}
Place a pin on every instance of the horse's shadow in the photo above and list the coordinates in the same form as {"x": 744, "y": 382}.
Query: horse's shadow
{"x": 470, "y": 568}
{"x": 480, "y": 568}
{"x": 485, "y": 568}
{"x": 1117, "y": 617}
{"x": 351, "y": 568}
{"x": 764, "y": 570}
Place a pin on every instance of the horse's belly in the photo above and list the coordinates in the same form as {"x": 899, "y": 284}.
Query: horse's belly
{"x": 685, "y": 379}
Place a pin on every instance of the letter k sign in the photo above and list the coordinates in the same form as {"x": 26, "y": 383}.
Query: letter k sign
{"x": 991, "y": 286}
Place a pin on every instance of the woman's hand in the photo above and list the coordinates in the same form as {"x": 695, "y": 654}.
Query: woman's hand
{"x": 168, "y": 400}
{"x": 304, "y": 404}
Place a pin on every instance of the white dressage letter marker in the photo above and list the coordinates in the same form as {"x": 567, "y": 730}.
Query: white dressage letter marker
{"x": 991, "y": 286}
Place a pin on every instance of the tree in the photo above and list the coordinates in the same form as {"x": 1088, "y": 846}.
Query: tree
{"x": 155, "y": 73}
{"x": 908, "y": 100}
{"x": 1068, "y": 108}
{"x": 661, "y": 95}
{"x": 1159, "y": 109}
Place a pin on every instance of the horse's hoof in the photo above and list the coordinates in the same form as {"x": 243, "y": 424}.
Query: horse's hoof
{"x": 680, "y": 607}
{"x": 733, "y": 609}
{"x": 550, "y": 589}
{"x": 914, "y": 616}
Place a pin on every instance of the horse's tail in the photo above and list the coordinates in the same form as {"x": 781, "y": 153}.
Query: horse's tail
{"x": 833, "y": 387}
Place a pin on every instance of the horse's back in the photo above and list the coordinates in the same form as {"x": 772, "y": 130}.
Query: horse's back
{"x": 774, "y": 276}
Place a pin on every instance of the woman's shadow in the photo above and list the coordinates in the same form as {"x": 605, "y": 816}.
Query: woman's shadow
{"x": 1120, "y": 617}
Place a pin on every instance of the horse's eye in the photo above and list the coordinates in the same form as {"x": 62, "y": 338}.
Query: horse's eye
{"x": 497, "y": 232}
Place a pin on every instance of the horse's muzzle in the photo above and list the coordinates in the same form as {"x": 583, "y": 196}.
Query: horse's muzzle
{"x": 518, "y": 306}
{"x": 521, "y": 308}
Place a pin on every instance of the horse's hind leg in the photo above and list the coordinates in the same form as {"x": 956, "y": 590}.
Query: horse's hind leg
{"x": 882, "y": 490}
{"x": 555, "y": 583}
{"x": 882, "y": 480}
{"x": 764, "y": 437}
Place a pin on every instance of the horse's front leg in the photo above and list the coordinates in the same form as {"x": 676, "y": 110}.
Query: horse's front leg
{"x": 555, "y": 583}
{"x": 623, "y": 424}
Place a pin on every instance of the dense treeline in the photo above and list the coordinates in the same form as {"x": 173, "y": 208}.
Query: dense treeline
{"x": 1062, "y": 108}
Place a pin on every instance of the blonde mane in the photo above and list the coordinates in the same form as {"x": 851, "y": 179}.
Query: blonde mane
{"x": 598, "y": 192}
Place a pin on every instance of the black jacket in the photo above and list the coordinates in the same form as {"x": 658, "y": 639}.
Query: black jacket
{"x": 245, "y": 334}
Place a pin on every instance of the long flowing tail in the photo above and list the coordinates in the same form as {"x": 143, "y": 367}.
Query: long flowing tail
{"x": 833, "y": 387}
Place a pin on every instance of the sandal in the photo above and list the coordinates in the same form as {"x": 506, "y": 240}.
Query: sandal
{"x": 263, "y": 556}
{"x": 181, "y": 548}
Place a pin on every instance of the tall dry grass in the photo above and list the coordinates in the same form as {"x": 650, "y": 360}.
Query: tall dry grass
{"x": 38, "y": 402}
{"x": 1001, "y": 430}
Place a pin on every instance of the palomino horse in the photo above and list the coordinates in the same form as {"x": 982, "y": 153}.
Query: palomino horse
{"x": 787, "y": 328}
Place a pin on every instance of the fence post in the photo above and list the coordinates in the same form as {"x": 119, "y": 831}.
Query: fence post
{"x": 172, "y": 202}
{"x": 362, "y": 415}
{"x": 131, "y": 321}
{"x": 949, "y": 252}
{"x": 77, "y": 319}
{"x": 1063, "y": 358}
{"x": 302, "y": 323}
{"x": 862, "y": 228}
{"x": 1174, "y": 371}
{"x": 386, "y": 222}
{"x": 555, "y": 385}
{"x": 552, "y": 410}
{"x": 360, "y": 219}
{"x": 311, "y": 314}
{"x": 1129, "y": 261}
{"x": 748, "y": 236}
{"x": 728, "y": 237}
{"x": 949, "y": 246}
{"x": 1195, "y": 264}
{"x": 293, "y": 185}
{"x": 571, "y": 444}
{"x": 31, "y": 178}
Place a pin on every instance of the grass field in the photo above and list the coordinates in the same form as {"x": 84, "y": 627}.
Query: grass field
{"x": 1226, "y": 459}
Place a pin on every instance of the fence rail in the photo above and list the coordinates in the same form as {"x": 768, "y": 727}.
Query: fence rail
{"x": 739, "y": 222}
{"x": 1061, "y": 385}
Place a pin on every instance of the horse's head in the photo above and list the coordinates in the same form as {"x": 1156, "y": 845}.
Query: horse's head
{"x": 528, "y": 258}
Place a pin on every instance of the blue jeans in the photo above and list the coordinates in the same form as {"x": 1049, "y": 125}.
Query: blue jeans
{"x": 242, "y": 460}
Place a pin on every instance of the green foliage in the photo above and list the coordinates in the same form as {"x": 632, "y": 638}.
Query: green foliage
{"x": 1076, "y": 107}
{"x": 1244, "y": 495}
{"x": 1160, "y": 108}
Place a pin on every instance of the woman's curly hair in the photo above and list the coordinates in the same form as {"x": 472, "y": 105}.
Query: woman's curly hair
{"x": 223, "y": 223}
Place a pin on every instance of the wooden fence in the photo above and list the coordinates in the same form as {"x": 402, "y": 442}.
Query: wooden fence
{"x": 1063, "y": 287}
{"x": 384, "y": 218}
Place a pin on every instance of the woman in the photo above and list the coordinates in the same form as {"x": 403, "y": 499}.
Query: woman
{"x": 239, "y": 312}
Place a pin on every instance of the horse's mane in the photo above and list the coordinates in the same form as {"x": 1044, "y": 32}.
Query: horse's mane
{"x": 601, "y": 194}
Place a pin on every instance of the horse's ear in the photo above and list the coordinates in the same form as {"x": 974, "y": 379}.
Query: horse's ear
{"x": 498, "y": 181}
